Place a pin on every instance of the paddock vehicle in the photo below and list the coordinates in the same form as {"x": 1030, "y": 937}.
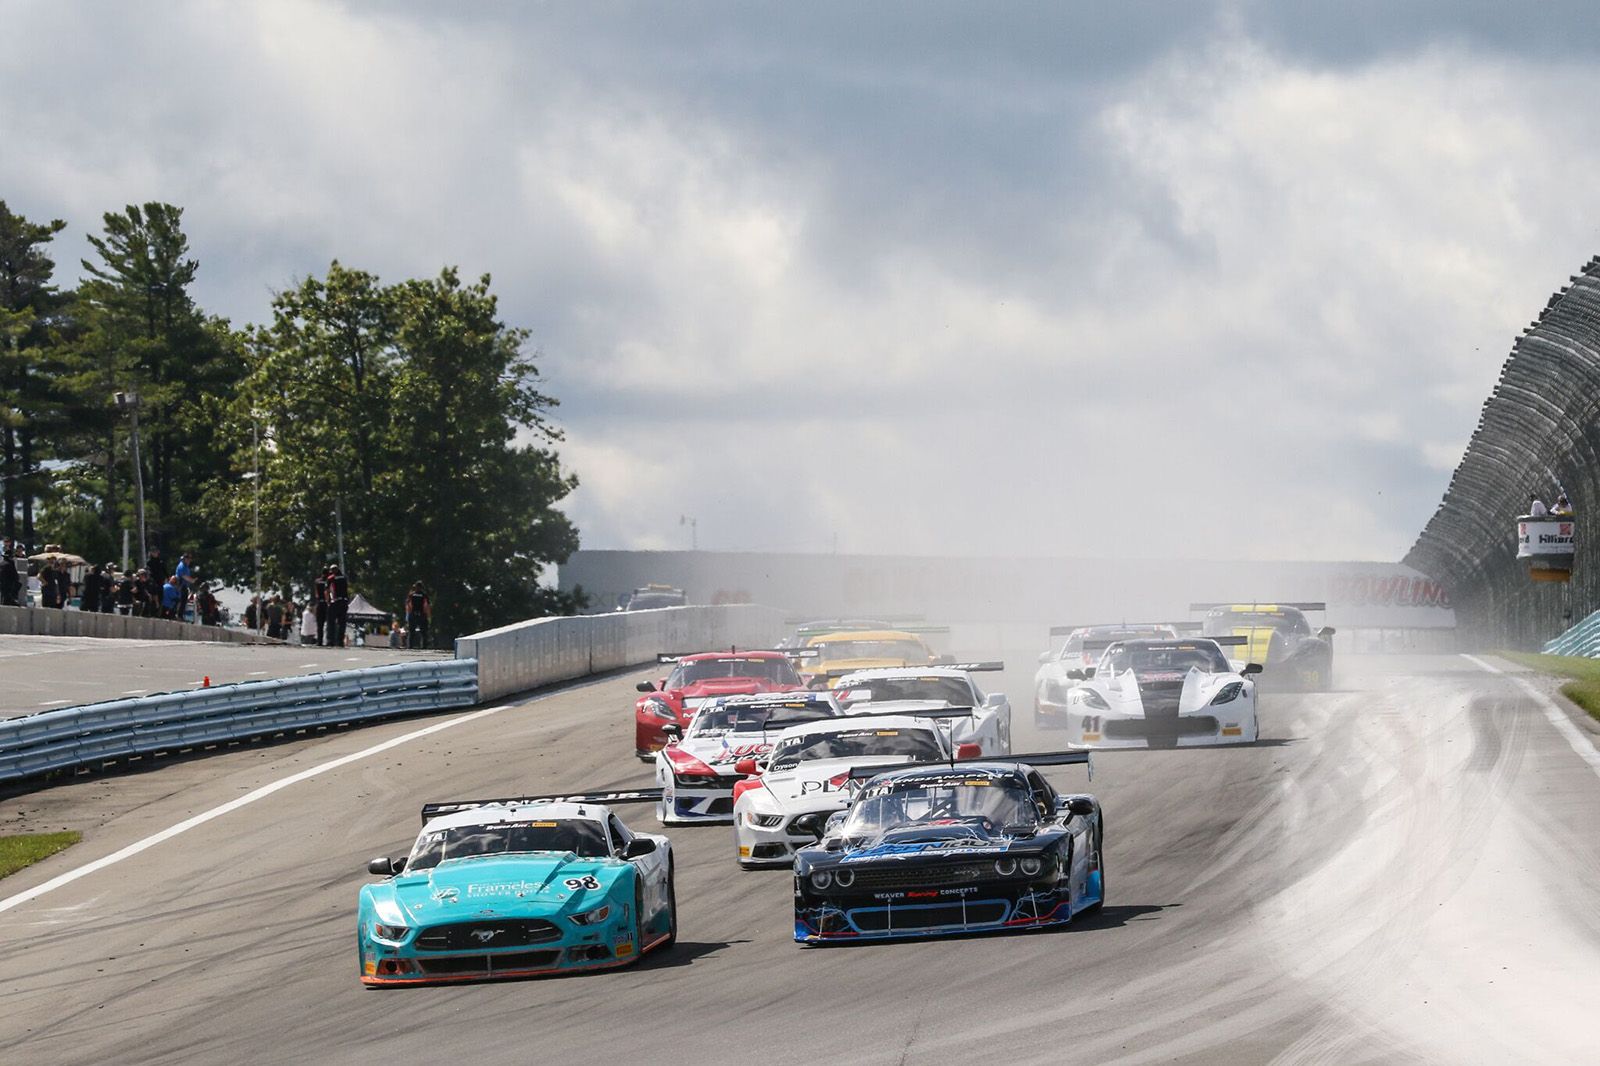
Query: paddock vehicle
{"x": 977, "y": 845}
{"x": 847, "y": 651}
{"x": 1156, "y": 694}
{"x": 517, "y": 887}
{"x": 786, "y": 799}
{"x": 1277, "y": 635}
{"x": 912, "y": 690}
{"x": 649, "y": 597}
{"x": 697, "y": 772}
{"x": 699, "y": 677}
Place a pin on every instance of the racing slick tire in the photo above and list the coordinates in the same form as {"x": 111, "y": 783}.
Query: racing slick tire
{"x": 672, "y": 907}
{"x": 1099, "y": 865}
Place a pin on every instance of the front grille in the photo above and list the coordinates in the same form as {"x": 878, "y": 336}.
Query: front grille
{"x": 464, "y": 936}
{"x": 1161, "y": 728}
{"x": 886, "y": 919}
{"x": 704, "y": 807}
{"x": 489, "y": 964}
{"x": 879, "y": 878}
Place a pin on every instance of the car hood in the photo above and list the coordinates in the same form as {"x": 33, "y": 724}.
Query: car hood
{"x": 521, "y": 885}
{"x": 728, "y": 686}
{"x": 1129, "y": 693}
{"x": 722, "y": 752}
{"x": 953, "y": 838}
{"x": 820, "y": 785}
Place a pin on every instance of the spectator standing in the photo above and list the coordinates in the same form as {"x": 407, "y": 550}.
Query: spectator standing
{"x": 171, "y": 597}
{"x": 338, "y": 605}
{"x": 93, "y": 586}
{"x": 63, "y": 585}
{"x": 206, "y": 605}
{"x": 125, "y": 595}
{"x": 10, "y": 579}
{"x": 155, "y": 565}
{"x": 308, "y": 624}
{"x": 1563, "y": 506}
{"x": 251, "y": 612}
{"x": 319, "y": 599}
{"x": 419, "y": 612}
{"x": 275, "y": 617}
{"x": 108, "y": 588}
{"x": 1536, "y": 508}
{"x": 48, "y": 594}
{"x": 186, "y": 581}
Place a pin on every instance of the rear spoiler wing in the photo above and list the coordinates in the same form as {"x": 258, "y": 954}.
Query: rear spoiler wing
{"x": 789, "y": 653}
{"x": 1102, "y": 645}
{"x": 1062, "y": 631}
{"x": 431, "y": 811}
{"x": 1038, "y": 758}
{"x": 1253, "y": 606}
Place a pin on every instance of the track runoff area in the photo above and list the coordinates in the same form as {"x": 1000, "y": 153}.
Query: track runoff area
{"x": 1402, "y": 870}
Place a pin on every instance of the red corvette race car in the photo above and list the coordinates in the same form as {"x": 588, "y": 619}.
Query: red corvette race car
{"x": 699, "y": 677}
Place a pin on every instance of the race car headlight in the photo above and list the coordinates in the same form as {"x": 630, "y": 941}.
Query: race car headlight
{"x": 1005, "y": 867}
{"x": 391, "y": 934}
{"x": 1088, "y": 697}
{"x": 661, "y": 709}
{"x": 821, "y": 880}
{"x": 1228, "y": 693}
{"x": 1031, "y": 866}
{"x": 844, "y": 878}
{"x": 765, "y": 821}
{"x": 595, "y": 916}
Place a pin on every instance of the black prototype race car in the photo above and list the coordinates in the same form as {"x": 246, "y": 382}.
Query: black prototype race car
{"x": 1277, "y": 636}
{"x": 962, "y": 847}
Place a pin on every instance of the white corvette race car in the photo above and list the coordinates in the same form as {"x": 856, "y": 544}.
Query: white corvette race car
{"x": 1157, "y": 694}
{"x": 1079, "y": 651}
{"x": 696, "y": 771}
{"x": 910, "y": 689}
{"x": 784, "y": 805}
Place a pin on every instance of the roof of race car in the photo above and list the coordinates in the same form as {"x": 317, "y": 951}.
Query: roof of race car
{"x": 901, "y": 672}
{"x": 701, "y": 656}
{"x": 994, "y": 771}
{"x": 491, "y": 813}
{"x": 857, "y": 724}
{"x": 775, "y": 699}
{"x": 841, "y": 636}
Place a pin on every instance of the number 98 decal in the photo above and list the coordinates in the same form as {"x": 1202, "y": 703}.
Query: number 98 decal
{"x": 586, "y": 881}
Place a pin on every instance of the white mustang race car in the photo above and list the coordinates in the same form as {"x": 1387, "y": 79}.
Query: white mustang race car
{"x": 1157, "y": 694}
{"x": 786, "y": 802}
{"x": 913, "y": 689}
{"x": 696, "y": 770}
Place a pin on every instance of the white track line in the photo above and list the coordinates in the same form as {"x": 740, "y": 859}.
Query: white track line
{"x": 1557, "y": 717}
{"x": 232, "y": 805}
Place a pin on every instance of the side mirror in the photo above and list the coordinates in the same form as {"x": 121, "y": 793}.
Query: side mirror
{"x": 1250, "y": 668}
{"x": 1088, "y": 672}
{"x": 1075, "y": 675}
{"x": 1078, "y": 805}
{"x": 746, "y": 766}
{"x": 645, "y": 686}
{"x": 673, "y": 730}
{"x": 1326, "y": 632}
{"x": 943, "y": 660}
{"x": 639, "y": 846}
{"x": 969, "y": 750}
{"x": 995, "y": 699}
{"x": 384, "y": 866}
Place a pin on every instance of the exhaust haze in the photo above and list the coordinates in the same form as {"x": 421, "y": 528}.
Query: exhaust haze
{"x": 909, "y": 279}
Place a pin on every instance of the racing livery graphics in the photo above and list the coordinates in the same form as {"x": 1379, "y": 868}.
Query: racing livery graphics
{"x": 696, "y": 678}
{"x": 960, "y": 848}
{"x": 1277, "y": 635}
{"x": 513, "y": 888}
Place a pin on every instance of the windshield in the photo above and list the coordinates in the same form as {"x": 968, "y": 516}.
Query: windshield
{"x": 1180, "y": 658}
{"x": 999, "y": 801}
{"x": 585, "y": 838}
{"x": 954, "y": 691}
{"x": 1074, "y": 644}
{"x": 717, "y": 719}
{"x": 904, "y": 651}
{"x": 776, "y": 670}
{"x": 916, "y": 745}
{"x": 1223, "y": 623}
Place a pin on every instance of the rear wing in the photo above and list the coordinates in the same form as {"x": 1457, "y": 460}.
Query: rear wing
{"x": 991, "y": 666}
{"x": 1038, "y": 758}
{"x": 1102, "y": 645}
{"x": 1258, "y": 606}
{"x": 788, "y": 653}
{"x": 1063, "y": 631}
{"x": 431, "y": 811}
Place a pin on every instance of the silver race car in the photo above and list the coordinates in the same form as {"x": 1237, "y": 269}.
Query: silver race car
{"x": 914, "y": 689}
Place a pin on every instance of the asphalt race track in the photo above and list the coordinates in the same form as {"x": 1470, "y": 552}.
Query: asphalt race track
{"x": 1406, "y": 870}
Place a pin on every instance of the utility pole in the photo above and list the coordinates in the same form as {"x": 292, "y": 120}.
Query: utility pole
{"x": 338, "y": 525}
{"x": 129, "y": 401}
{"x": 255, "y": 536}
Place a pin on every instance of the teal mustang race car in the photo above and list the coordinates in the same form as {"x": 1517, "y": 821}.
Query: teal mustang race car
{"x": 517, "y": 887}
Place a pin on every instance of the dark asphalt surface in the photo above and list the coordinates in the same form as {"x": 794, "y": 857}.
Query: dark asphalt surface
{"x": 1405, "y": 870}
{"x": 43, "y": 673}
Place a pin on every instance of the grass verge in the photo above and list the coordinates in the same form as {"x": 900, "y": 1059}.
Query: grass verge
{"x": 1583, "y": 689}
{"x": 25, "y": 849}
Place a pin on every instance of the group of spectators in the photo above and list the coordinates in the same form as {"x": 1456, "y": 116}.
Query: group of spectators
{"x": 106, "y": 590}
{"x": 1562, "y": 508}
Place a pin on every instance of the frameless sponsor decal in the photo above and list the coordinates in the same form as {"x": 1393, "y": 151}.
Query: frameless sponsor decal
{"x": 502, "y": 888}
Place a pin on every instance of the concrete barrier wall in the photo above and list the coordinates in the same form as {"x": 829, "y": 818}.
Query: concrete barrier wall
{"x": 526, "y": 655}
{"x": 49, "y": 622}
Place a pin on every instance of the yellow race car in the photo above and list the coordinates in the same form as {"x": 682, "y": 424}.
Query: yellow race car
{"x": 1278, "y": 636}
{"x": 847, "y": 651}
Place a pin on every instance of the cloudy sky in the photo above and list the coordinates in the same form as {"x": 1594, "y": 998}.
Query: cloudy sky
{"x": 1211, "y": 281}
